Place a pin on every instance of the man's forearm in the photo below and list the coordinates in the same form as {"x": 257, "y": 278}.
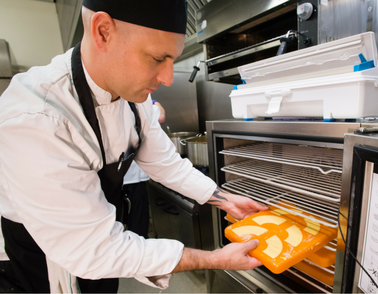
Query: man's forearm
{"x": 194, "y": 259}
{"x": 233, "y": 256}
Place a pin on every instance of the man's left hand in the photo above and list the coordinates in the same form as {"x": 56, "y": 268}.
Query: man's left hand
{"x": 237, "y": 206}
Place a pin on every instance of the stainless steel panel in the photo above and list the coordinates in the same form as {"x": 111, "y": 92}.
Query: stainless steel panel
{"x": 5, "y": 60}
{"x": 222, "y": 15}
{"x": 253, "y": 281}
{"x": 342, "y": 18}
{"x": 314, "y": 129}
{"x": 180, "y": 104}
{"x": 253, "y": 49}
{"x": 223, "y": 73}
{"x": 350, "y": 141}
{"x": 213, "y": 101}
{"x": 364, "y": 212}
{"x": 174, "y": 217}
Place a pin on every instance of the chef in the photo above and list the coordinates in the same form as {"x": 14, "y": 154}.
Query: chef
{"x": 68, "y": 133}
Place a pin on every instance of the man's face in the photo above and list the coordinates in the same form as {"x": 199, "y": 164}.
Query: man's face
{"x": 140, "y": 59}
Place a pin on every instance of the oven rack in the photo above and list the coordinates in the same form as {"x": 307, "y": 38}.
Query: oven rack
{"x": 324, "y": 288}
{"x": 324, "y": 212}
{"x": 324, "y": 160}
{"x": 297, "y": 179}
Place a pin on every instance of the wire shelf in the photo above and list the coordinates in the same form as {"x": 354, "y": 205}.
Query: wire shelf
{"x": 324, "y": 160}
{"x": 330, "y": 270}
{"x": 324, "y": 212}
{"x": 297, "y": 179}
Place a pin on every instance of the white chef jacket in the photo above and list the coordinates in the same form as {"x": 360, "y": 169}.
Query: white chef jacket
{"x": 49, "y": 159}
{"x": 3, "y": 255}
{"x": 135, "y": 174}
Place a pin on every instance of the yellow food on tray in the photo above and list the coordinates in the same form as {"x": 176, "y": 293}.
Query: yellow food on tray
{"x": 285, "y": 239}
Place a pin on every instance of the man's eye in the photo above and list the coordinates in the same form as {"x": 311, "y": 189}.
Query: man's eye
{"x": 158, "y": 60}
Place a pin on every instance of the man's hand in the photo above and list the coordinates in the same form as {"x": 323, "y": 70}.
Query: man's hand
{"x": 233, "y": 256}
{"x": 237, "y": 206}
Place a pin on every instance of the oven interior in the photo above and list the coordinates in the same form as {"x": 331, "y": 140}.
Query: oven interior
{"x": 267, "y": 27}
{"x": 306, "y": 176}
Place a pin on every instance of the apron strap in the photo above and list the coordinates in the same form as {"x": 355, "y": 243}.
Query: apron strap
{"x": 84, "y": 93}
{"x": 86, "y": 100}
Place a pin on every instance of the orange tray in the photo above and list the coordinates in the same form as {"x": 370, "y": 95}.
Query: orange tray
{"x": 316, "y": 272}
{"x": 323, "y": 257}
{"x": 285, "y": 239}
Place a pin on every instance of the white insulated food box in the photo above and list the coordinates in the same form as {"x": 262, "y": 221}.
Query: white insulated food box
{"x": 318, "y": 81}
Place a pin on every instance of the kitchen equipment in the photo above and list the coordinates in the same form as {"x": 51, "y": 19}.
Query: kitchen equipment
{"x": 197, "y": 150}
{"x": 239, "y": 32}
{"x": 175, "y": 216}
{"x": 308, "y": 164}
{"x": 335, "y": 80}
{"x": 176, "y": 137}
{"x": 361, "y": 153}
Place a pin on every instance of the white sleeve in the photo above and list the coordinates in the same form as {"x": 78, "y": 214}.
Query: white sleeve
{"x": 158, "y": 158}
{"x": 46, "y": 170}
{"x": 3, "y": 255}
{"x": 155, "y": 113}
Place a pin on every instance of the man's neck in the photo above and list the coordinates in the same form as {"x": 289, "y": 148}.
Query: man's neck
{"x": 96, "y": 70}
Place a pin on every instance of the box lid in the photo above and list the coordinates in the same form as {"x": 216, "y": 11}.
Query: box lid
{"x": 336, "y": 57}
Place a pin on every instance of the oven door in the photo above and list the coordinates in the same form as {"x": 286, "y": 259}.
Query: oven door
{"x": 174, "y": 216}
{"x": 362, "y": 215}
{"x": 298, "y": 162}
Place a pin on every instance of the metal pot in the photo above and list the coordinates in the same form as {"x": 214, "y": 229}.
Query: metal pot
{"x": 197, "y": 150}
{"x": 177, "y": 137}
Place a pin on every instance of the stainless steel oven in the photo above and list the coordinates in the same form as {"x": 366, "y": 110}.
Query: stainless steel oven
{"x": 238, "y": 32}
{"x": 307, "y": 164}
{"x": 175, "y": 216}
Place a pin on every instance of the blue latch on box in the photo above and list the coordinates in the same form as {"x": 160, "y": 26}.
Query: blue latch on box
{"x": 364, "y": 63}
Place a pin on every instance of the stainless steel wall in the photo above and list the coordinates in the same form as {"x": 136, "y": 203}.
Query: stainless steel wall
{"x": 212, "y": 97}
{"x": 180, "y": 103}
{"x": 213, "y": 101}
{"x": 343, "y": 18}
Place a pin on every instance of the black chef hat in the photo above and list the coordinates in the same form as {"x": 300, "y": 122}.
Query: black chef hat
{"x": 165, "y": 15}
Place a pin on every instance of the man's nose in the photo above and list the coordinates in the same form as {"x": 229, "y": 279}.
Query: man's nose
{"x": 165, "y": 75}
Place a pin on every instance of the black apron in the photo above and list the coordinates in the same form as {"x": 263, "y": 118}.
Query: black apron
{"x": 24, "y": 253}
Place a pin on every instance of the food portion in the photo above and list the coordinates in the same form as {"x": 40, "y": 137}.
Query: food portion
{"x": 295, "y": 236}
{"x": 274, "y": 247}
{"x": 269, "y": 219}
{"x": 249, "y": 230}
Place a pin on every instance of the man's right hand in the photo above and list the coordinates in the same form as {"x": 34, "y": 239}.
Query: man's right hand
{"x": 233, "y": 256}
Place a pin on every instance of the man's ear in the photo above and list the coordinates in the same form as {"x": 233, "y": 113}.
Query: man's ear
{"x": 102, "y": 27}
